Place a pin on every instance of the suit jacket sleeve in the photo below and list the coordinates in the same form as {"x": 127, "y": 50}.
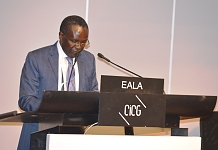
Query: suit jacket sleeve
{"x": 94, "y": 82}
{"x": 29, "y": 85}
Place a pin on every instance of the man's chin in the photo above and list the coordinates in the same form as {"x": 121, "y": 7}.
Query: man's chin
{"x": 72, "y": 55}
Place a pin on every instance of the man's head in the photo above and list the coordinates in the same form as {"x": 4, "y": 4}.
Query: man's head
{"x": 73, "y": 35}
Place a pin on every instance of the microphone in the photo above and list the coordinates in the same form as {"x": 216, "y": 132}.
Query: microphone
{"x": 102, "y": 56}
{"x": 68, "y": 84}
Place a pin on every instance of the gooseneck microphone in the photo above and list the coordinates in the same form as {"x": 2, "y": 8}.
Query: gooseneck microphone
{"x": 102, "y": 56}
{"x": 68, "y": 84}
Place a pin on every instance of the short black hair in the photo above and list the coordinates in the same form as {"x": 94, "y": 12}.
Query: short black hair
{"x": 72, "y": 20}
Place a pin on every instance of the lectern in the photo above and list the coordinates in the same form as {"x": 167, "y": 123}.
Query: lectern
{"x": 122, "y": 101}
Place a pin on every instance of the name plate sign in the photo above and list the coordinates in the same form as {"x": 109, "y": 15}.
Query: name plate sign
{"x": 131, "y": 84}
{"x": 128, "y": 109}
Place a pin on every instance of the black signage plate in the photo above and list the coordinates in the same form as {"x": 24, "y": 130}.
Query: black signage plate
{"x": 128, "y": 109}
{"x": 131, "y": 85}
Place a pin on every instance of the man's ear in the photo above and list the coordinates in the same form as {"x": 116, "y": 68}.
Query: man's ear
{"x": 60, "y": 36}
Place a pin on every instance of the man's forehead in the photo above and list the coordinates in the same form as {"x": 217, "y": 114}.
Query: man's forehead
{"x": 77, "y": 27}
{"x": 77, "y": 30}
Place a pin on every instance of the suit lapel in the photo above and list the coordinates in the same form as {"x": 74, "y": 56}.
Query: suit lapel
{"x": 53, "y": 60}
{"x": 81, "y": 68}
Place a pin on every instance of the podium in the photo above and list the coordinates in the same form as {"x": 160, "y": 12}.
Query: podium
{"x": 69, "y": 112}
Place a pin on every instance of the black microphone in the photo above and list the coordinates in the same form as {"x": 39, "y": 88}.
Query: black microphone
{"x": 68, "y": 84}
{"x": 102, "y": 56}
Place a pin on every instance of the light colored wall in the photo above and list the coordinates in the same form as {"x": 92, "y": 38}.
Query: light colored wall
{"x": 134, "y": 34}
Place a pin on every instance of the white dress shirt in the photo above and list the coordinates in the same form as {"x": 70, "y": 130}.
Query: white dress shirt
{"x": 62, "y": 70}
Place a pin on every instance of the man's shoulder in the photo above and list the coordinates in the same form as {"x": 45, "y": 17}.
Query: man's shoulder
{"x": 45, "y": 49}
{"x": 86, "y": 53}
{"x": 42, "y": 54}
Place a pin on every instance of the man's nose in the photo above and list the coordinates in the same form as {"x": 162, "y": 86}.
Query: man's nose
{"x": 78, "y": 45}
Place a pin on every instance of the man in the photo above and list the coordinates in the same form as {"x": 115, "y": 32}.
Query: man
{"x": 46, "y": 69}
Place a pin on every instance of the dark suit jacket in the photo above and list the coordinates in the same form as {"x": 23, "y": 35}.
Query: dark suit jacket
{"x": 40, "y": 72}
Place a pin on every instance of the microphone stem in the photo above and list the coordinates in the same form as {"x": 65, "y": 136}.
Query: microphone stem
{"x": 126, "y": 69}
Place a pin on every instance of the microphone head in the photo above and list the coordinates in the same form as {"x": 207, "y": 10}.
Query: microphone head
{"x": 102, "y": 56}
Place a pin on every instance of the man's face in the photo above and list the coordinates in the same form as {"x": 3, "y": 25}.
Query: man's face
{"x": 73, "y": 42}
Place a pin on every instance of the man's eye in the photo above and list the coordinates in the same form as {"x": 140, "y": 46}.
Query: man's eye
{"x": 73, "y": 41}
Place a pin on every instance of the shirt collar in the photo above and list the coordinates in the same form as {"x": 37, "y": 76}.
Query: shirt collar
{"x": 60, "y": 51}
